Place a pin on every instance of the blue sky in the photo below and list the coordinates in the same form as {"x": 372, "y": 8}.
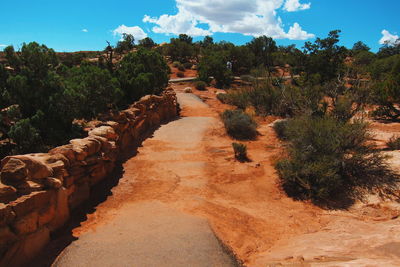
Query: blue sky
{"x": 86, "y": 25}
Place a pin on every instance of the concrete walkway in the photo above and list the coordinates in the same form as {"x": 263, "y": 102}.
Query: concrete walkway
{"x": 146, "y": 229}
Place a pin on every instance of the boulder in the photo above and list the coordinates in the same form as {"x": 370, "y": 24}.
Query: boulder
{"x": 31, "y": 166}
{"x": 104, "y": 131}
{"x": 66, "y": 150}
{"x": 13, "y": 171}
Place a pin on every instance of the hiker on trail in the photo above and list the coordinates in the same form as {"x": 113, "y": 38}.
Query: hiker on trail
{"x": 229, "y": 65}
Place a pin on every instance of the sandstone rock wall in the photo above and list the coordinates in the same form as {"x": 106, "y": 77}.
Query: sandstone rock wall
{"x": 38, "y": 191}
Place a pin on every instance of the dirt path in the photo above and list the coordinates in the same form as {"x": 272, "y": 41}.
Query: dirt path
{"x": 133, "y": 228}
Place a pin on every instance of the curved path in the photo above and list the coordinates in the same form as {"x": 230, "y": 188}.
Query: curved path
{"x": 138, "y": 225}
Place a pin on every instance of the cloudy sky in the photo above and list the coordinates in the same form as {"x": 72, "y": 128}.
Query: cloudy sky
{"x": 86, "y": 25}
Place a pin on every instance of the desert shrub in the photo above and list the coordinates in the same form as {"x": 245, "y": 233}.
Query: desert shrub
{"x": 240, "y": 151}
{"x": 247, "y": 78}
{"x": 176, "y": 64}
{"x": 330, "y": 160}
{"x": 200, "y": 85}
{"x": 239, "y": 125}
{"x": 394, "y": 143}
{"x": 223, "y": 98}
{"x": 188, "y": 65}
{"x": 180, "y": 74}
{"x": 181, "y": 68}
{"x": 280, "y": 128}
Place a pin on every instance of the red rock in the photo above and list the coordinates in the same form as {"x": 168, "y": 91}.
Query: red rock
{"x": 7, "y": 215}
{"x": 104, "y": 131}
{"x": 13, "y": 171}
{"x": 61, "y": 210}
{"x": 7, "y": 193}
{"x": 27, "y": 224}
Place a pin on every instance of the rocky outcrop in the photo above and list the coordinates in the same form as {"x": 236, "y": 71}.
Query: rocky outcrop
{"x": 38, "y": 191}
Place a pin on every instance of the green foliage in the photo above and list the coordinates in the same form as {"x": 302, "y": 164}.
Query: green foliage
{"x": 176, "y": 64}
{"x": 91, "y": 90}
{"x": 26, "y": 136}
{"x": 126, "y": 44}
{"x": 141, "y": 73}
{"x": 360, "y": 47}
{"x": 263, "y": 48}
{"x": 280, "y": 128}
{"x": 44, "y": 97}
{"x": 325, "y": 57}
{"x": 200, "y": 85}
{"x": 223, "y": 98}
{"x": 147, "y": 43}
{"x": 188, "y": 65}
{"x": 214, "y": 64}
{"x": 275, "y": 100}
{"x": 181, "y": 68}
{"x": 394, "y": 143}
{"x": 239, "y": 125}
{"x": 180, "y": 49}
{"x": 240, "y": 151}
{"x": 331, "y": 159}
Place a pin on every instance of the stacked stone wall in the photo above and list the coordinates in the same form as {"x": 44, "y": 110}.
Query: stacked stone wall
{"x": 39, "y": 191}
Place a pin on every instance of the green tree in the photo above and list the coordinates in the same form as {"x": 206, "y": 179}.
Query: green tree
{"x": 141, "y": 73}
{"x": 147, "y": 42}
{"x": 91, "y": 90}
{"x": 180, "y": 50}
{"x": 325, "y": 57}
{"x": 213, "y": 63}
{"x": 359, "y": 47}
{"x": 263, "y": 48}
{"x": 126, "y": 44}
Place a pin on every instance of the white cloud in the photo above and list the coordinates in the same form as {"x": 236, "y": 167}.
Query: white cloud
{"x": 389, "y": 38}
{"x": 294, "y": 5}
{"x": 296, "y": 33}
{"x": 84, "y": 30}
{"x": 136, "y": 31}
{"x": 248, "y": 17}
{"x": 3, "y": 45}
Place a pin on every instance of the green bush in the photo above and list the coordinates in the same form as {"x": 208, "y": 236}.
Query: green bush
{"x": 180, "y": 74}
{"x": 280, "y": 128}
{"x": 247, "y": 78}
{"x": 92, "y": 91}
{"x": 331, "y": 161}
{"x": 240, "y": 151}
{"x": 142, "y": 73}
{"x": 394, "y": 143}
{"x": 213, "y": 64}
{"x": 200, "y": 85}
{"x": 239, "y": 125}
{"x": 181, "y": 68}
{"x": 223, "y": 98}
{"x": 188, "y": 65}
{"x": 176, "y": 64}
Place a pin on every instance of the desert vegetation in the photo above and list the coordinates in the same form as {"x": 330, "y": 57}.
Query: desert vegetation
{"x": 43, "y": 94}
{"x": 322, "y": 91}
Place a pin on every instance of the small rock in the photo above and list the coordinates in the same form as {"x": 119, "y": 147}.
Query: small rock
{"x": 188, "y": 90}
